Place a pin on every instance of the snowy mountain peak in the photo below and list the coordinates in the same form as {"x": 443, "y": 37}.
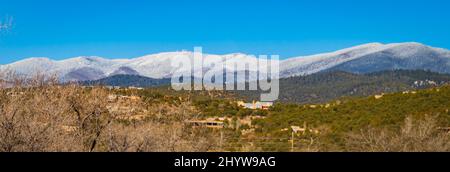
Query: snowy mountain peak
{"x": 34, "y": 59}
{"x": 359, "y": 59}
{"x": 364, "y": 46}
{"x": 371, "y": 57}
{"x": 407, "y": 44}
{"x": 90, "y": 58}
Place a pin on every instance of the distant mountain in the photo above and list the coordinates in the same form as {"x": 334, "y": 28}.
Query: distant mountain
{"x": 128, "y": 81}
{"x": 371, "y": 58}
{"x": 124, "y": 71}
{"x": 92, "y": 68}
{"x": 84, "y": 73}
{"x": 360, "y": 59}
{"x": 326, "y": 86}
{"x": 315, "y": 88}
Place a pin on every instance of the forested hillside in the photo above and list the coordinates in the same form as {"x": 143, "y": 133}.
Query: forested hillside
{"x": 128, "y": 81}
{"x": 338, "y": 120}
{"x": 327, "y": 86}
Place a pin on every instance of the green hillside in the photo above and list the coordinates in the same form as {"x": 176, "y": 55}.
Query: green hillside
{"x": 339, "y": 118}
{"x": 324, "y": 87}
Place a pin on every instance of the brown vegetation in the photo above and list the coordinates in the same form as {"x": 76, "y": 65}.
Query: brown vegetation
{"x": 40, "y": 115}
{"x": 414, "y": 136}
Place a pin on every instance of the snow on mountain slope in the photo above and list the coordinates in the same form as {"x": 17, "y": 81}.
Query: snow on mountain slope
{"x": 153, "y": 66}
{"x": 370, "y": 57}
{"x": 400, "y": 56}
{"x": 311, "y": 64}
{"x": 359, "y": 59}
{"x": 30, "y": 65}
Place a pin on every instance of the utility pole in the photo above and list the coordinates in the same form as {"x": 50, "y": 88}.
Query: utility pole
{"x": 221, "y": 140}
{"x": 292, "y": 141}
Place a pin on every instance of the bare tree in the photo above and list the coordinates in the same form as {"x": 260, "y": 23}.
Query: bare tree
{"x": 40, "y": 114}
{"x": 414, "y": 136}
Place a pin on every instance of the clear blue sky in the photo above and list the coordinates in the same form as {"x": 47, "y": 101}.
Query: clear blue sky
{"x": 130, "y": 28}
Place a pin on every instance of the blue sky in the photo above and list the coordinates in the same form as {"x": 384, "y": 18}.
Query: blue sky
{"x": 126, "y": 29}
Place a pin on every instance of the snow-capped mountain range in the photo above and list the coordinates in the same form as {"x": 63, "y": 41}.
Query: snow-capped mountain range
{"x": 359, "y": 59}
{"x": 372, "y": 57}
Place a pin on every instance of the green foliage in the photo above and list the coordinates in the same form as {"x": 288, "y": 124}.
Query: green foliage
{"x": 328, "y": 86}
{"x": 354, "y": 114}
{"x": 128, "y": 81}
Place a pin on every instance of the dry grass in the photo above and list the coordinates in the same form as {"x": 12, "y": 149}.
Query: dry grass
{"x": 414, "y": 136}
{"x": 40, "y": 115}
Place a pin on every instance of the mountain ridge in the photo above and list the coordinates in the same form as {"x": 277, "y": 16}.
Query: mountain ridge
{"x": 330, "y": 85}
{"x": 315, "y": 88}
{"x": 365, "y": 58}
